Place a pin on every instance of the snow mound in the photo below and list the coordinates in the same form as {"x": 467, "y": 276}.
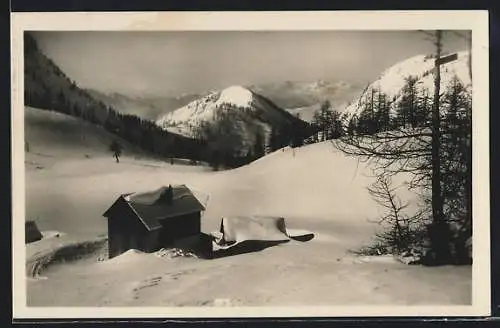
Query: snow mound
{"x": 239, "y": 229}
{"x": 64, "y": 248}
{"x": 129, "y": 256}
{"x": 313, "y": 181}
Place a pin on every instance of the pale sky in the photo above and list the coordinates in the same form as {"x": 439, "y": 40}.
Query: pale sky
{"x": 172, "y": 63}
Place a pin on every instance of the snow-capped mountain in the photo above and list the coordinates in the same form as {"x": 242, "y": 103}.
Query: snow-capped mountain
{"x": 392, "y": 80}
{"x": 204, "y": 109}
{"x": 248, "y": 105}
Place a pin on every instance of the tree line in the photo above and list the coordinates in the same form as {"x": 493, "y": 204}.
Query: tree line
{"x": 219, "y": 143}
{"x": 376, "y": 113}
{"x": 48, "y": 88}
{"x": 396, "y": 136}
{"x": 239, "y": 135}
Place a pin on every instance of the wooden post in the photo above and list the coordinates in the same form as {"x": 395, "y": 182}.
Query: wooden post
{"x": 440, "y": 236}
{"x": 437, "y": 205}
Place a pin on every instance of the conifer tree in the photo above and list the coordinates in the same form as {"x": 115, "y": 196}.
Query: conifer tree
{"x": 408, "y": 148}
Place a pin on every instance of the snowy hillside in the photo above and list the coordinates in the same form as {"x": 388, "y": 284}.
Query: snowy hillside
{"x": 315, "y": 188}
{"x": 247, "y": 105}
{"x": 204, "y": 109}
{"x": 392, "y": 81}
{"x": 50, "y": 134}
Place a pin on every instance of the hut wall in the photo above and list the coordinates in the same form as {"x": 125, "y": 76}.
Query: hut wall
{"x": 125, "y": 231}
{"x": 178, "y": 228}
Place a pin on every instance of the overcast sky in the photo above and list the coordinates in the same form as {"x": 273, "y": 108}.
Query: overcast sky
{"x": 172, "y": 63}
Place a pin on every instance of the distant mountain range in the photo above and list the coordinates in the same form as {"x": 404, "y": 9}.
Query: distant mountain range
{"x": 236, "y": 139}
{"x": 47, "y": 87}
{"x": 298, "y": 98}
{"x": 146, "y": 107}
{"x": 253, "y": 111}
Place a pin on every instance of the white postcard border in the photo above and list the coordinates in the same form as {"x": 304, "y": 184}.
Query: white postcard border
{"x": 477, "y": 21}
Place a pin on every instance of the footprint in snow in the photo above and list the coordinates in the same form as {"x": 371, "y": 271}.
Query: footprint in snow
{"x": 151, "y": 282}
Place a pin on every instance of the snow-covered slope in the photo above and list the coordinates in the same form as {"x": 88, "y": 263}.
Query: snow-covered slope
{"x": 392, "y": 80}
{"x": 204, "y": 109}
{"x": 244, "y": 103}
{"x": 316, "y": 188}
{"x": 53, "y": 134}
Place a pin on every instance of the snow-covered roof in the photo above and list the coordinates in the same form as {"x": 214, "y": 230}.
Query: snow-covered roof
{"x": 151, "y": 208}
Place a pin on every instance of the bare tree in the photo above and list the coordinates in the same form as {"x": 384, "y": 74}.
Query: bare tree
{"x": 436, "y": 154}
{"x": 400, "y": 229}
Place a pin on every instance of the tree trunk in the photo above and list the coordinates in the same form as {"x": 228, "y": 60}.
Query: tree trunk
{"x": 439, "y": 237}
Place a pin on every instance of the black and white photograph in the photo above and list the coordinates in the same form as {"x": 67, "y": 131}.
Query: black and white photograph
{"x": 251, "y": 168}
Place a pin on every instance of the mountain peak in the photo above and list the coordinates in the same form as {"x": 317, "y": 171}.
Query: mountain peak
{"x": 393, "y": 79}
{"x": 248, "y": 109}
{"x": 237, "y": 95}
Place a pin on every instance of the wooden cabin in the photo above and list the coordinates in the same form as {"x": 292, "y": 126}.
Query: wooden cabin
{"x": 152, "y": 220}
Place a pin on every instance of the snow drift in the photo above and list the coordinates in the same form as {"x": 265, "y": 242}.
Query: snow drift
{"x": 237, "y": 229}
{"x": 245, "y": 234}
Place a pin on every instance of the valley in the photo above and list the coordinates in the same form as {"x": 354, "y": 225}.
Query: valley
{"x": 244, "y": 149}
{"x": 68, "y": 195}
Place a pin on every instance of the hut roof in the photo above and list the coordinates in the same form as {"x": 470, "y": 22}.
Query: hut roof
{"x": 152, "y": 207}
{"x": 32, "y": 233}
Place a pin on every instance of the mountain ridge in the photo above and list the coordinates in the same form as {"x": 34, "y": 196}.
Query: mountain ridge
{"x": 392, "y": 80}
{"x": 206, "y": 109}
{"x": 47, "y": 87}
{"x": 146, "y": 107}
